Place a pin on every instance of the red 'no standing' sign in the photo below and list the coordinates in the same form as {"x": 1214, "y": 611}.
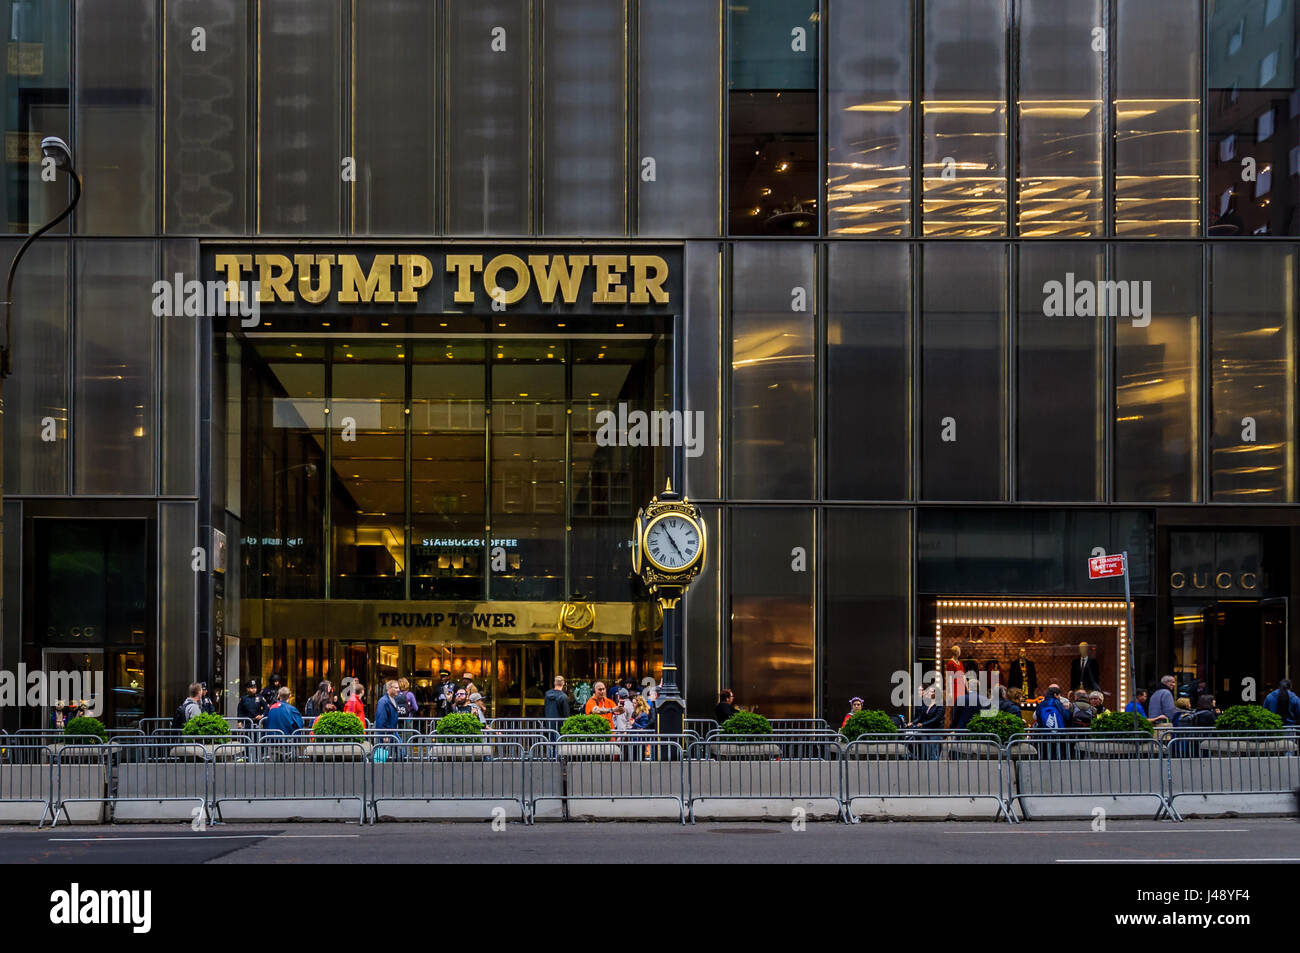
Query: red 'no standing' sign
{"x": 1099, "y": 567}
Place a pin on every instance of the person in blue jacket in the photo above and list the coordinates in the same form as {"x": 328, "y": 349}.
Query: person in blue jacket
{"x": 282, "y": 717}
{"x": 1051, "y": 713}
{"x": 386, "y": 714}
{"x": 1282, "y": 701}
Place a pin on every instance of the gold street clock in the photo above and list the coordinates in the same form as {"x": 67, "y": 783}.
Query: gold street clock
{"x": 668, "y": 545}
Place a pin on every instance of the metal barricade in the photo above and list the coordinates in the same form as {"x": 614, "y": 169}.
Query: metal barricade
{"x": 929, "y": 765}
{"x": 470, "y": 775}
{"x": 160, "y": 778}
{"x": 1225, "y": 765}
{"x": 1088, "y": 767}
{"x": 525, "y": 724}
{"x": 602, "y": 778}
{"x": 799, "y": 724}
{"x": 702, "y": 726}
{"x": 757, "y": 768}
{"x": 26, "y": 778}
{"x": 150, "y": 725}
{"x": 313, "y": 774}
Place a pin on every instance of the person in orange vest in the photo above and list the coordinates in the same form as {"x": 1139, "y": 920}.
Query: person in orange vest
{"x": 598, "y": 704}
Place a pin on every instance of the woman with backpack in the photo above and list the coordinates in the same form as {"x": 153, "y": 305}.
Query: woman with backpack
{"x": 316, "y": 704}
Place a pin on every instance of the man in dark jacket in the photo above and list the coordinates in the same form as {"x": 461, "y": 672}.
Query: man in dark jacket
{"x": 446, "y": 692}
{"x": 556, "y": 702}
{"x": 271, "y": 693}
{"x": 282, "y": 716}
{"x": 251, "y": 706}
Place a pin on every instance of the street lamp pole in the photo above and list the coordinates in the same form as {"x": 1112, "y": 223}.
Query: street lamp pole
{"x": 55, "y": 149}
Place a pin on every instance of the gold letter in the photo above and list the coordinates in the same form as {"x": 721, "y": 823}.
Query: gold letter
{"x": 646, "y": 286}
{"x": 377, "y": 286}
{"x": 233, "y": 266}
{"x": 609, "y": 286}
{"x": 268, "y": 283}
{"x": 463, "y": 265}
{"x": 305, "y": 291}
{"x": 568, "y": 279}
{"x": 416, "y": 272}
{"x": 522, "y": 280}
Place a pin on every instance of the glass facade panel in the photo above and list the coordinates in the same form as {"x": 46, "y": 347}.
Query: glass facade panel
{"x": 772, "y": 372}
{"x": 117, "y": 116}
{"x": 772, "y": 78}
{"x": 1062, "y": 82}
{"x": 868, "y": 372}
{"x": 1060, "y": 374}
{"x": 703, "y": 263}
{"x": 773, "y": 648}
{"x": 300, "y": 145}
{"x": 1253, "y": 109}
{"x": 1157, "y": 119}
{"x": 179, "y": 409}
{"x": 584, "y": 109}
{"x": 36, "y": 396}
{"x": 1157, "y": 375}
{"x": 113, "y": 410}
{"x": 448, "y": 471}
{"x": 1252, "y": 361}
{"x": 367, "y": 431}
{"x": 963, "y": 373}
{"x": 395, "y": 117}
{"x": 868, "y": 604}
{"x": 964, "y": 118}
{"x": 678, "y": 114}
{"x": 177, "y": 598}
{"x": 529, "y": 488}
{"x": 35, "y": 106}
{"x": 869, "y": 118}
{"x": 489, "y": 109}
{"x": 206, "y": 119}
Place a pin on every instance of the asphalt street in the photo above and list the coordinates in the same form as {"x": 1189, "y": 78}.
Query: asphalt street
{"x": 1223, "y": 841}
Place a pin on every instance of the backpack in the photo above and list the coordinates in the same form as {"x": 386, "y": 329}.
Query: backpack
{"x": 1049, "y": 715}
{"x": 403, "y": 706}
{"x": 1081, "y": 719}
{"x": 178, "y": 717}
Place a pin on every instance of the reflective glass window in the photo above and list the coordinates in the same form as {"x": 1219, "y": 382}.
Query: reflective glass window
{"x": 1253, "y": 373}
{"x": 1060, "y": 374}
{"x": 1253, "y": 111}
{"x": 869, "y": 118}
{"x": 772, "y": 371}
{"x": 1157, "y": 374}
{"x": 1157, "y": 107}
{"x": 963, "y": 373}
{"x": 868, "y": 371}
{"x": 964, "y": 117}
{"x": 1062, "y": 82}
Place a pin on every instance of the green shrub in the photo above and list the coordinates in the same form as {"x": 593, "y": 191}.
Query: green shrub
{"x": 208, "y": 726}
{"x": 1248, "y": 718}
{"x": 1120, "y": 721}
{"x": 586, "y": 725}
{"x": 336, "y": 724}
{"x": 87, "y": 726}
{"x": 746, "y": 723}
{"x": 874, "y": 722}
{"x": 462, "y": 723}
{"x": 1003, "y": 724}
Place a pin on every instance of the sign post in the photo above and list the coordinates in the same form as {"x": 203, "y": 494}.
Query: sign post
{"x": 1104, "y": 567}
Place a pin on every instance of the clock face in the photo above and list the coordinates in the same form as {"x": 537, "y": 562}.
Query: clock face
{"x": 673, "y": 542}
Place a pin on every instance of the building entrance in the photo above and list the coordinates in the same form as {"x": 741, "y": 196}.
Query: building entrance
{"x": 1231, "y": 646}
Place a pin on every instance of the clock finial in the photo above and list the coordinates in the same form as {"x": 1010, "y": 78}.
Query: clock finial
{"x": 668, "y": 488}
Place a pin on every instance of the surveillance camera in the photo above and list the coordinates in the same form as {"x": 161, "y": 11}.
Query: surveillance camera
{"x": 52, "y": 147}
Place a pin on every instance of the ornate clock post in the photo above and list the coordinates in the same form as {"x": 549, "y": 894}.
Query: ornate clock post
{"x": 668, "y": 553}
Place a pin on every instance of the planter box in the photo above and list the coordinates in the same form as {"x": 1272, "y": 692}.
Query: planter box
{"x": 1115, "y": 748}
{"x": 82, "y": 752}
{"x": 590, "y": 751}
{"x": 458, "y": 752}
{"x": 887, "y": 749}
{"x": 334, "y": 751}
{"x": 745, "y": 752}
{"x": 198, "y": 752}
{"x": 1247, "y": 746}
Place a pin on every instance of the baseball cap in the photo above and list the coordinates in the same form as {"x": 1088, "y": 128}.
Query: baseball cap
{"x": 475, "y": 697}
{"x": 622, "y": 693}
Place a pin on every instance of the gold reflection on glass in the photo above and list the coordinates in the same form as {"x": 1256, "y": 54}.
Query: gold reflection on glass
{"x": 1157, "y": 167}
{"x": 1060, "y": 188}
{"x": 964, "y": 185}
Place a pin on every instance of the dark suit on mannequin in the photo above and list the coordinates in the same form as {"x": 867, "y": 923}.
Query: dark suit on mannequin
{"x": 1085, "y": 673}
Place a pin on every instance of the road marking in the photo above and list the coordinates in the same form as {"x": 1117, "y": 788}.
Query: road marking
{"x": 191, "y": 837}
{"x": 1177, "y": 860}
{"x": 1121, "y": 830}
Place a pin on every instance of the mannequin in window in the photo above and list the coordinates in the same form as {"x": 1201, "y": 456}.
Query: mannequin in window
{"x": 994, "y": 670}
{"x": 1085, "y": 673}
{"x": 955, "y": 677}
{"x": 1023, "y": 675}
